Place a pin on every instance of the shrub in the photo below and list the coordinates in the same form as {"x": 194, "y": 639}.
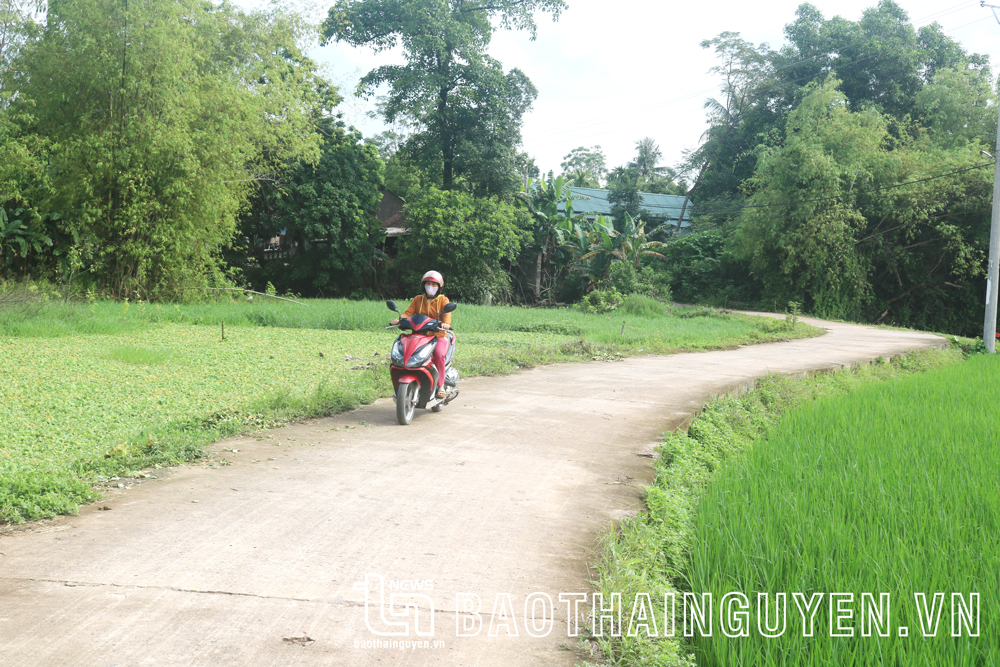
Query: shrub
{"x": 601, "y": 301}
{"x": 628, "y": 278}
{"x": 640, "y": 305}
{"x": 467, "y": 239}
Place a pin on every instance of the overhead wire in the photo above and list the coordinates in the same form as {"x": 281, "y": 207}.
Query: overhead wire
{"x": 967, "y": 4}
{"x": 869, "y": 190}
{"x": 796, "y": 202}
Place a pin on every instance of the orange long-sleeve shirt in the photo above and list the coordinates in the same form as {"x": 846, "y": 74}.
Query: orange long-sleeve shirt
{"x": 431, "y": 308}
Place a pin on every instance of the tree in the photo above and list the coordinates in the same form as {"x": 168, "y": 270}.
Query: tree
{"x": 647, "y": 159}
{"x": 829, "y": 226}
{"x": 17, "y": 26}
{"x": 332, "y": 207}
{"x": 805, "y": 183}
{"x": 956, "y": 107}
{"x": 468, "y": 109}
{"x": 625, "y": 242}
{"x": 586, "y": 166}
{"x": 804, "y": 251}
{"x": 403, "y": 174}
{"x": 467, "y": 239}
{"x": 732, "y": 121}
{"x": 650, "y": 176}
{"x": 881, "y": 59}
{"x": 545, "y": 249}
{"x": 623, "y": 195}
{"x": 162, "y": 117}
{"x": 19, "y": 155}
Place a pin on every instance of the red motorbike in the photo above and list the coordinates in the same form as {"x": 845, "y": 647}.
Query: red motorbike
{"x": 414, "y": 375}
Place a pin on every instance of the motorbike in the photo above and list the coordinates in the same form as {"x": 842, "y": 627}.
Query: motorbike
{"x": 414, "y": 375}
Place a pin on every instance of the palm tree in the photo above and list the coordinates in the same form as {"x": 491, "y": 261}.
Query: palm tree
{"x": 647, "y": 158}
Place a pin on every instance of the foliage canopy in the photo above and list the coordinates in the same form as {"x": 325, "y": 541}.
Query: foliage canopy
{"x": 158, "y": 119}
{"x": 466, "y": 108}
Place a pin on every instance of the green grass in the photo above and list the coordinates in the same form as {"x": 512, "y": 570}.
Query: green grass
{"x": 97, "y": 391}
{"x": 892, "y": 489}
{"x": 651, "y": 552}
{"x": 646, "y": 322}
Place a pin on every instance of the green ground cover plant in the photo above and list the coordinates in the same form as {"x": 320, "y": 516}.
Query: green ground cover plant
{"x": 105, "y": 389}
{"x": 651, "y": 553}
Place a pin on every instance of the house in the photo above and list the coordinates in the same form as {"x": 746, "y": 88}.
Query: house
{"x": 592, "y": 202}
{"x": 390, "y": 213}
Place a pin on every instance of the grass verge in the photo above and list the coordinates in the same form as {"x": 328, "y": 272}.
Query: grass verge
{"x": 93, "y": 391}
{"x": 652, "y": 552}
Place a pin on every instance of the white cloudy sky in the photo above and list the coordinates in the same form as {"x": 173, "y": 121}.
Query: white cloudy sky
{"x": 612, "y": 72}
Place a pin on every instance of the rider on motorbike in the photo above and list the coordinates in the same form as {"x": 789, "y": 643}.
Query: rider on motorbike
{"x": 430, "y": 303}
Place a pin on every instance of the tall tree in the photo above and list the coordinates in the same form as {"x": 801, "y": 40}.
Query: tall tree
{"x": 586, "y": 166}
{"x": 331, "y": 207}
{"x": 647, "y": 159}
{"x": 735, "y": 122}
{"x": 468, "y": 108}
{"x": 163, "y": 115}
{"x": 471, "y": 240}
{"x": 17, "y": 25}
{"x": 830, "y": 227}
{"x": 623, "y": 195}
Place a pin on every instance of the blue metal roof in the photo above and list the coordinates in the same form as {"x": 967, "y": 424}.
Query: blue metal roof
{"x": 593, "y": 202}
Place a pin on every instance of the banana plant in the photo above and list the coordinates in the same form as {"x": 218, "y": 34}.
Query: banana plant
{"x": 605, "y": 245}
{"x": 551, "y": 225}
{"x": 19, "y": 237}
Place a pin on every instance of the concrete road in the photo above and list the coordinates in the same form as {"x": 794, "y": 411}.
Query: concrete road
{"x": 292, "y": 554}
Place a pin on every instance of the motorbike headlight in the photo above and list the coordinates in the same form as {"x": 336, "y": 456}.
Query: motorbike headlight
{"x": 420, "y": 357}
{"x": 397, "y": 352}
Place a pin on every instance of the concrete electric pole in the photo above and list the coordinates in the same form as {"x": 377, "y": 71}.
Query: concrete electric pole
{"x": 990, "y": 323}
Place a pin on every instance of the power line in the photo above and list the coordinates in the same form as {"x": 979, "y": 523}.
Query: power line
{"x": 856, "y": 192}
{"x": 969, "y": 4}
{"x": 885, "y": 187}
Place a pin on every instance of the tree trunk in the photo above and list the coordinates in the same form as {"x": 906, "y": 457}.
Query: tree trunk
{"x": 447, "y": 144}
{"x": 447, "y": 178}
{"x": 701, "y": 172}
{"x": 538, "y": 277}
{"x": 687, "y": 197}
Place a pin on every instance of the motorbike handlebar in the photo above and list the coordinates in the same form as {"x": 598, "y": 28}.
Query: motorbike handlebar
{"x": 397, "y": 326}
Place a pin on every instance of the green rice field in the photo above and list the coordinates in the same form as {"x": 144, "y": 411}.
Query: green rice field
{"x": 893, "y": 488}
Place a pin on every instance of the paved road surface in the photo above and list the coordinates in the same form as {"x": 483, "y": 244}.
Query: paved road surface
{"x": 501, "y": 495}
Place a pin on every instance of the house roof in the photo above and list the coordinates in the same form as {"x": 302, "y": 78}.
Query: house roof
{"x": 390, "y": 210}
{"x": 594, "y": 201}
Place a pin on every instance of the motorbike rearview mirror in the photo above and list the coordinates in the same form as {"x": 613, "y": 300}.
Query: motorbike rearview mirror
{"x": 449, "y": 307}
{"x": 392, "y": 305}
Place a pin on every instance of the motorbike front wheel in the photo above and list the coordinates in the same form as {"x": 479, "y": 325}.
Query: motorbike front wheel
{"x": 406, "y": 402}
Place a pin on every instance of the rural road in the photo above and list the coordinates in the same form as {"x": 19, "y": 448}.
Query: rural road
{"x": 270, "y": 560}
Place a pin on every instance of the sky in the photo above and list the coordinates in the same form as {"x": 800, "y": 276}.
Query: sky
{"x": 611, "y": 73}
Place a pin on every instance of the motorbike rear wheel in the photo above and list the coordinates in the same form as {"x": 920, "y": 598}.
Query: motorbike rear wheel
{"x": 406, "y": 402}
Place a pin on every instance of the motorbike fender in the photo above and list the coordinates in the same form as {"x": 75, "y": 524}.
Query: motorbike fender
{"x": 407, "y": 379}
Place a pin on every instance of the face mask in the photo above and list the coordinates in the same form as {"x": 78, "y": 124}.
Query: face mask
{"x": 431, "y": 289}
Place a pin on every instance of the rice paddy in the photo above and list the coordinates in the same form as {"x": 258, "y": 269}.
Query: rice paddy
{"x": 891, "y": 491}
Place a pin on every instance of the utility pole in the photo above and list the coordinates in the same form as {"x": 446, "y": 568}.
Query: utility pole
{"x": 990, "y": 323}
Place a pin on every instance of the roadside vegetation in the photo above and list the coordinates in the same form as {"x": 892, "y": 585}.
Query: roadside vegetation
{"x": 878, "y": 479}
{"x": 101, "y": 390}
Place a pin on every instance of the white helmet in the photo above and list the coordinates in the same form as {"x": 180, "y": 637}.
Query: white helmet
{"x": 433, "y": 277}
